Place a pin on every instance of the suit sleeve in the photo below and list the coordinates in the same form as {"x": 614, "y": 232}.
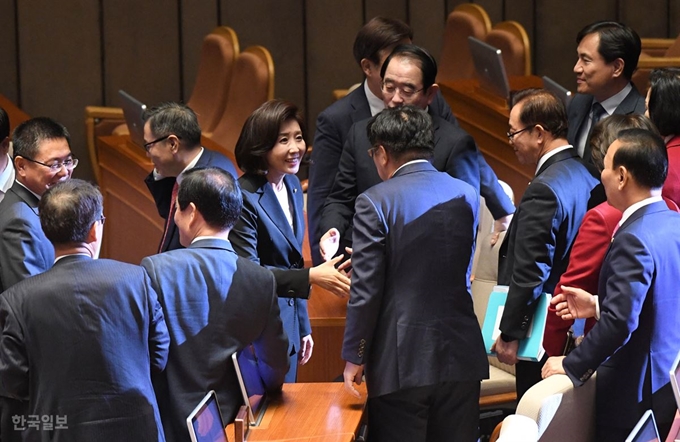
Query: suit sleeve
{"x": 585, "y": 262}
{"x": 325, "y": 160}
{"x": 159, "y": 337}
{"x": 368, "y": 281}
{"x": 13, "y": 356}
{"x": 271, "y": 346}
{"x": 290, "y": 283}
{"x": 620, "y": 307}
{"x": 339, "y": 207}
{"x": 497, "y": 200}
{"x": 463, "y": 163}
{"x": 24, "y": 253}
{"x": 161, "y": 191}
{"x": 534, "y": 251}
{"x": 442, "y": 108}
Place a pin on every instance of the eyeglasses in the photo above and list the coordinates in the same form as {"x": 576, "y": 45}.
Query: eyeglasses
{"x": 69, "y": 164}
{"x": 148, "y": 145}
{"x": 372, "y": 150}
{"x": 404, "y": 91}
{"x": 511, "y": 135}
{"x": 102, "y": 219}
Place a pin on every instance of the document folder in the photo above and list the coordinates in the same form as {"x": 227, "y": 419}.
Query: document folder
{"x": 531, "y": 347}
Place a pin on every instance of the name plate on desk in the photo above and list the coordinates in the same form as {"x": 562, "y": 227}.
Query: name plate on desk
{"x": 531, "y": 347}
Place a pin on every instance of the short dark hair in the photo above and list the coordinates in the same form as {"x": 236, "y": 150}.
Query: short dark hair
{"x": 4, "y": 124}
{"x": 643, "y": 154}
{"x": 542, "y": 107}
{"x": 68, "y": 209}
{"x": 664, "y": 96}
{"x": 405, "y": 132}
{"x": 174, "y": 119}
{"x": 215, "y": 193}
{"x": 607, "y": 130}
{"x": 27, "y": 136}
{"x": 261, "y": 131}
{"x": 427, "y": 64}
{"x": 616, "y": 41}
{"x": 378, "y": 34}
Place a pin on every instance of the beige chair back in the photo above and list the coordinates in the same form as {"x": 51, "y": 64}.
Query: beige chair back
{"x": 511, "y": 38}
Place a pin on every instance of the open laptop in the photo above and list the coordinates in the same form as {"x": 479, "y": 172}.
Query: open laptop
{"x": 252, "y": 387}
{"x": 490, "y": 68}
{"x": 557, "y": 89}
{"x": 645, "y": 430}
{"x": 133, "y": 111}
{"x": 205, "y": 422}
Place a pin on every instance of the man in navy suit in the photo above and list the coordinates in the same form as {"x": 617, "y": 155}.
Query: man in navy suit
{"x": 408, "y": 79}
{"x": 636, "y": 339}
{"x": 42, "y": 158}
{"x": 374, "y": 42}
{"x": 215, "y": 302}
{"x": 536, "y": 249}
{"x": 410, "y": 319}
{"x": 81, "y": 340}
{"x": 608, "y": 54}
{"x": 172, "y": 139}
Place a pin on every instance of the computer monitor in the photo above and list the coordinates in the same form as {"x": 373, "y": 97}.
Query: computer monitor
{"x": 133, "y": 111}
{"x": 490, "y": 69}
{"x": 645, "y": 430}
{"x": 205, "y": 422}
{"x": 562, "y": 93}
{"x": 252, "y": 387}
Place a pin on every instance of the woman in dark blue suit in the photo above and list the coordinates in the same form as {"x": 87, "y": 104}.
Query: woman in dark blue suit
{"x": 271, "y": 227}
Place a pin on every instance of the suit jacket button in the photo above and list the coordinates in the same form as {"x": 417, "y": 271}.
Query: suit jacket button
{"x": 291, "y": 302}
{"x": 362, "y": 342}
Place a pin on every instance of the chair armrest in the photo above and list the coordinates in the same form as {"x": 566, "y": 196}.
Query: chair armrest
{"x": 658, "y": 62}
{"x": 101, "y": 112}
{"x": 656, "y": 47}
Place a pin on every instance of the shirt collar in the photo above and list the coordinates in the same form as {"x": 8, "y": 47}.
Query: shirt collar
{"x": 191, "y": 164}
{"x": 374, "y": 103}
{"x": 406, "y": 164}
{"x": 635, "y": 207}
{"x": 22, "y": 185}
{"x": 611, "y": 103}
{"x": 544, "y": 158}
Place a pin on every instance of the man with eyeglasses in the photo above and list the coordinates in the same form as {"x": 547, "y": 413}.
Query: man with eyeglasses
{"x": 172, "y": 140}
{"x": 80, "y": 341}
{"x": 374, "y": 42}
{"x": 42, "y": 158}
{"x": 408, "y": 76}
{"x": 535, "y": 251}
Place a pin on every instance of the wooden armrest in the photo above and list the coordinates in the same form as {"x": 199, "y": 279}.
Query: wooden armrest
{"x": 102, "y": 112}
{"x": 657, "y": 43}
{"x": 658, "y": 62}
{"x": 496, "y": 432}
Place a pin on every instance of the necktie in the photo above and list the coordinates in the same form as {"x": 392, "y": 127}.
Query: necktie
{"x": 171, "y": 214}
{"x": 597, "y": 113}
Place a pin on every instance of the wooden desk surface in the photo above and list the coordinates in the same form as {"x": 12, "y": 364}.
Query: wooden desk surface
{"x": 310, "y": 412}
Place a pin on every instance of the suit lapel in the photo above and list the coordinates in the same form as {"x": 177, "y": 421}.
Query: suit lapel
{"x": 270, "y": 204}
{"x": 581, "y": 110}
{"x": 560, "y": 156}
{"x": 26, "y": 196}
{"x": 629, "y": 103}
{"x": 360, "y": 108}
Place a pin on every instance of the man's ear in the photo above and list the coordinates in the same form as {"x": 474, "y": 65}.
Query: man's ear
{"x": 366, "y": 66}
{"x": 618, "y": 65}
{"x": 623, "y": 176}
{"x": 431, "y": 92}
{"x": 92, "y": 234}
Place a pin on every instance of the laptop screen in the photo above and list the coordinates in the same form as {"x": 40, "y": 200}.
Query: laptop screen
{"x": 133, "y": 111}
{"x": 252, "y": 387}
{"x": 205, "y": 422}
{"x": 645, "y": 430}
{"x": 489, "y": 67}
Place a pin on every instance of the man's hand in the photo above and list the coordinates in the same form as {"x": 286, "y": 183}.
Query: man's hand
{"x": 352, "y": 375}
{"x": 574, "y": 303}
{"x": 500, "y": 225}
{"x": 328, "y": 277}
{"x": 347, "y": 264}
{"x": 553, "y": 366}
{"x": 506, "y": 351}
{"x": 306, "y": 347}
{"x": 329, "y": 244}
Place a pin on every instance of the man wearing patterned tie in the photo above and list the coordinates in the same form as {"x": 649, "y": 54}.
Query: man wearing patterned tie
{"x": 608, "y": 54}
{"x": 172, "y": 140}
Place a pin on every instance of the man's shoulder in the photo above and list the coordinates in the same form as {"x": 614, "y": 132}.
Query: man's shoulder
{"x": 213, "y": 158}
{"x": 444, "y": 129}
{"x": 15, "y": 211}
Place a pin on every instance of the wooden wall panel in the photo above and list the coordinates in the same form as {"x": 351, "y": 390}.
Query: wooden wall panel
{"x": 494, "y": 8}
{"x": 674, "y": 18}
{"x": 522, "y": 11}
{"x": 387, "y": 8}
{"x": 331, "y": 29}
{"x": 199, "y": 17}
{"x": 652, "y": 23}
{"x": 451, "y": 4}
{"x": 9, "y": 84}
{"x": 141, "y": 50}
{"x": 555, "y": 39}
{"x": 60, "y": 65}
{"x": 428, "y": 18}
{"x": 281, "y": 30}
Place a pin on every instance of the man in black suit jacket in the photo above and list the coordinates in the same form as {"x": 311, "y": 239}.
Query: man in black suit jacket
{"x": 410, "y": 318}
{"x": 608, "y": 54}
{"x": 536, "y": 249}
{"x": 408, "y": 74}
{"x": 42, "y": 158}
{"x": 172, "y": 139}
{"x": 80, "y": 341}
{"x": 374, "y": 42}
{"x": 215, "y": 302}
